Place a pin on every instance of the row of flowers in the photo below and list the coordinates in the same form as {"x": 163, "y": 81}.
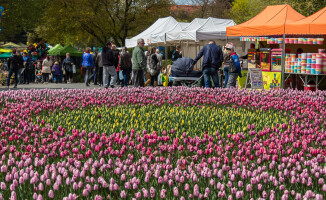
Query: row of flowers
{"x": 267, "y": 145}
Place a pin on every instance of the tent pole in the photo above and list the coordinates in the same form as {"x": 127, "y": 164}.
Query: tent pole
{"x": 283, "y": 62}
{"x": 166, "y": 55}
{"x": 196, "y": 52}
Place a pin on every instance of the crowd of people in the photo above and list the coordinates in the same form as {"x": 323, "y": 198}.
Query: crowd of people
{"x": 111, "y": 67}
{"x": 27, "y": 69}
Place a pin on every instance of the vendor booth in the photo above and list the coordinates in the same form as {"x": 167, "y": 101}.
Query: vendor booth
{"x": 268, "y": 29}
{"x": 308, "y": 66}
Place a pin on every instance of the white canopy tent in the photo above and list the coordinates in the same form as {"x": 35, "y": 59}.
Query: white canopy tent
{"x": 158, "y": 30}
{"x": 161, "y": 37}
{"x": 201, "y": 29}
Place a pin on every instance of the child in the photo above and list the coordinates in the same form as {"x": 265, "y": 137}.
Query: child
{"x": 235, "y": 68}
{"x": 56, "y": 72}
{"x": 38, "y": 72}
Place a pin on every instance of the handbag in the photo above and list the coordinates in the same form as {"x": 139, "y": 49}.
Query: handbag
{"x": 64, "y": 72}
{"x": 74, "y": 69}
{"x": 121, "y": 75}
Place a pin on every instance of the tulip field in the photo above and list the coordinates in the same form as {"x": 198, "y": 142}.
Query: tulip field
{"x": 162, "y": 143}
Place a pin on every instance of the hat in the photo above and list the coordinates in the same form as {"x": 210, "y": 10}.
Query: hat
{"x": 108, "y": 43}
{"x": 229, "y": 46}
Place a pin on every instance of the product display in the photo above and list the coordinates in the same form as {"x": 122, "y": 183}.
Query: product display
{"x": 306, "y": 63}
{"x": 288, "y": 40}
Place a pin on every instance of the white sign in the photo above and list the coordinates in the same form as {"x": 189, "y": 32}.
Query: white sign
{"x": 256, "y": 78}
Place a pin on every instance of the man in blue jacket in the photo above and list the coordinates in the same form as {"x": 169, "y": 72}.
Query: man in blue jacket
{"x": 88, "y": 64}
{"x": 235, "y": 67}
{"x": 213, "y": 58}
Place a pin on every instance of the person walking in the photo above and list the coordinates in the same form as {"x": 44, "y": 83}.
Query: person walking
{"x": 154, "y": 66}
{"x": 56, "y": 69}
{"x": 88, "y": 64}
{"x": 95, "y": 57}
{"x": 99, "y": 63}
{"x": 109, "y": 63}
{"x": 235, "y": 67}
{"x": 125, "y": 66}
{"x": 138, "y": 63}
{"x": 67, "y": 66}
{"x": 46, "y": 68}
{"x": 213, "y": 58}
{"x": 13, "y": 65}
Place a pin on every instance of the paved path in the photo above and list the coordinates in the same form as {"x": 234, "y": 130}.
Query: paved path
{"x": 51, "y": 86}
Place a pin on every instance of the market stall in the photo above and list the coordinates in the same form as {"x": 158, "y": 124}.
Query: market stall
{"x": 157, "y": 29}
{"x": 267, "y": 29}
{"x": 308, "y": 65}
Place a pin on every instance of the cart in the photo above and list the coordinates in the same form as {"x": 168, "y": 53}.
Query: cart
{"x": 187, "y": 81}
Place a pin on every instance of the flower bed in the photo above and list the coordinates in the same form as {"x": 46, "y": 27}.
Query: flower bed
{"x": 172, "y": 143}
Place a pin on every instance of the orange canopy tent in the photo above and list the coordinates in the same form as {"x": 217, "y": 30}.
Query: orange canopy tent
{"x": 271, "y": 21}
{"x": 314, "y": 24}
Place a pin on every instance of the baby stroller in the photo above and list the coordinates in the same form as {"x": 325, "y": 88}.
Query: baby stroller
{"x": 182, "y": 73}
{"x": 39, "y": 78}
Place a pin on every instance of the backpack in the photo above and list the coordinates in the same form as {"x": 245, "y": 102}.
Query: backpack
{"x": 233, "y": 67}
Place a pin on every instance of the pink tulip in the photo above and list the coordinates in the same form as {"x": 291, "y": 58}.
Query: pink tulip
{"x": 51, "y": 194}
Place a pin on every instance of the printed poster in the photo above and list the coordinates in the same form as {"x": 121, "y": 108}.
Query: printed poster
{"x": 272, "y": 80}
{"x": 256, "y": 78}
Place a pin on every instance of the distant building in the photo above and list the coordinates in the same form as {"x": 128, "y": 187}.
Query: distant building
{"x": 185, "y": 8}
{"x": 185, "y": 12}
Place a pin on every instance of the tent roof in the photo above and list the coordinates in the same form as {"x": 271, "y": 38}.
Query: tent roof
{"x": 161, "y": 26}
{"x": 314, "y": 24}
{"x": 202, "y": 29}
{"x": 69, "y": 49}
{"x": 55, "y": 49}
{"x": 5, "y": 50}
{"x": 10, "y": 45}
{"x": 5, "y": 55}
{"x": 271, "y": 21}
{"x": 161, "y": 37}
{"x": 21, "y": 45}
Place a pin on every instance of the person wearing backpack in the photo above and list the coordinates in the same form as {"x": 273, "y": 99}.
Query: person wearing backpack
{"x": 235, "y": 67}
{"x": 14, "y": 65}
{"x": 154, "y": 66}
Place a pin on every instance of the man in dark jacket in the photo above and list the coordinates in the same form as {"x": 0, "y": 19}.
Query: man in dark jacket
{"x": 213, "y": 58}
{"x": 14, "y": 65}
{"x": 21, "y": 67}
{"x": 109, "y": 63}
